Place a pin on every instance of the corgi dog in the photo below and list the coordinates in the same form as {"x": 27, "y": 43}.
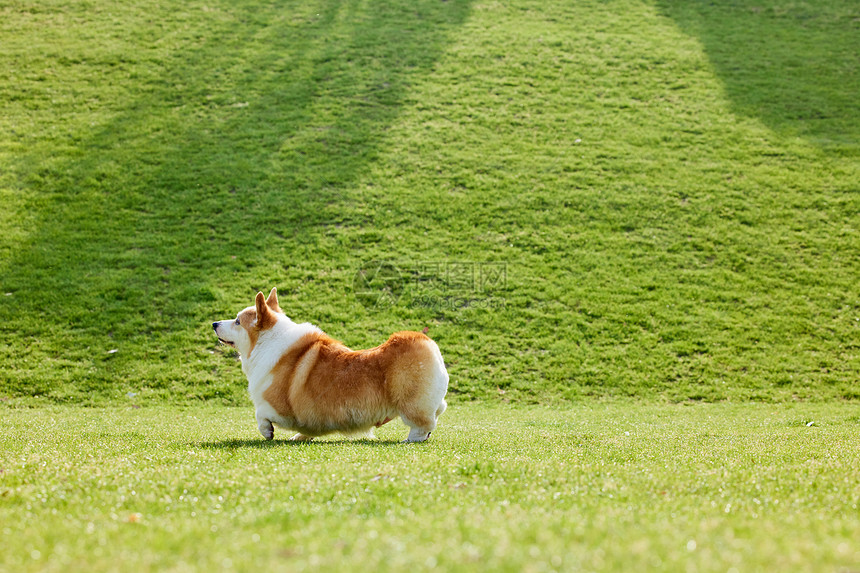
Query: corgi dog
{"x": 304, "y": 381}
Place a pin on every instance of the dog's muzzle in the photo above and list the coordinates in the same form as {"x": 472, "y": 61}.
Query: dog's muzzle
{"x": 221, "y": 340}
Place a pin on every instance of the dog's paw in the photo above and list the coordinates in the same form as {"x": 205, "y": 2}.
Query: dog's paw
{"x": 301, "y": 438}
{"x": 267, "y": 430}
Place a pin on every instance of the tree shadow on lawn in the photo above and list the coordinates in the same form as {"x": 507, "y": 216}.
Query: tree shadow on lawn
{"x": 792, "y": 65}
{"x": 243, "y": 136}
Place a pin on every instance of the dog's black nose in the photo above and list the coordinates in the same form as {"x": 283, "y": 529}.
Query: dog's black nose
{"x": 215, "y": 325}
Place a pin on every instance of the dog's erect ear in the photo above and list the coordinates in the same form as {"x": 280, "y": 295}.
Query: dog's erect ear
{"x": 272, "y": 301}
{"x": 264, "y": 315}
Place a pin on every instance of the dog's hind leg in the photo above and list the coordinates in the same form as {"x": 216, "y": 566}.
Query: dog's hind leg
{"x": 416, "y": 435}
{"x": 420, "y": 391}
{"x": 301, "y": 438}
{"x": 421, "y": 417}
{"x": 420, "y": 426}
{"x": 441, "y": 409}
{"x": 420, "y": 429}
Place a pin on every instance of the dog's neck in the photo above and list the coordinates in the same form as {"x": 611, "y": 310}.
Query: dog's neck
{"x": 273, "y": 343}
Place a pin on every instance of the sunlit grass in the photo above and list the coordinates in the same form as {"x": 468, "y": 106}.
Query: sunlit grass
{"x": 610, "y": 487}
{"x": 604, "y": 207}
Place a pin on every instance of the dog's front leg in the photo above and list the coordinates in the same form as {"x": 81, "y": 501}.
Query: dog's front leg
{"x": 266, "y": 428}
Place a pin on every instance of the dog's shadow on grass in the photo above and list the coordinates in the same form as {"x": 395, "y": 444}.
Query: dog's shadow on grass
{"x": 259, "y": 444}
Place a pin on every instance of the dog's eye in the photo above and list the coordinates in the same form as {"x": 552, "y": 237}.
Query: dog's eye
{"x": 237, "y": 321}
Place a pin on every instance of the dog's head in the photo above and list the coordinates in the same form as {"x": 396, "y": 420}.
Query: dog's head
{"x": 242, "y": 332}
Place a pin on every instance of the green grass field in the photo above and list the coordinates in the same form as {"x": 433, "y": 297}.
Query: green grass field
{"x": 591, "y": 487}
{"x": 612, "y": 216}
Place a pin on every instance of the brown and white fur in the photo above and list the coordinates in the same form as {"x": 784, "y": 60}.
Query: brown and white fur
{"x": 302, "y": 380}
